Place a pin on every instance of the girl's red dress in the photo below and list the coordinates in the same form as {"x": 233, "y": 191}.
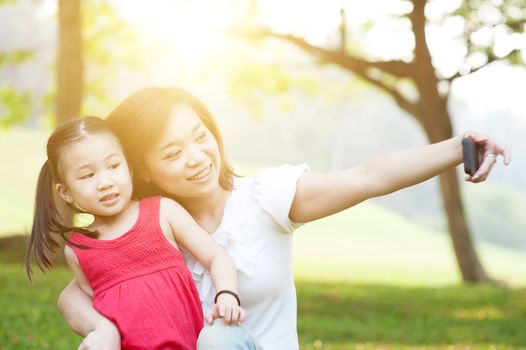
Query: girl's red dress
{"x": 141, "y": 283}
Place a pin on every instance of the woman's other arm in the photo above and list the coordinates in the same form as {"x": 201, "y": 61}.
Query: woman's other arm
{"x": 77, "y": 309}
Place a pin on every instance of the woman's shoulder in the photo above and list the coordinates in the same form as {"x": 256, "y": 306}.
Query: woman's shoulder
{"x": 281, "y": 172}
{"x": 270, "y": 175}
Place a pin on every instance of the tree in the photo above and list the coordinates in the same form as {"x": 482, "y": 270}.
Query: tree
{"x": 69, "y": 63}
{"x": 430, "y": 108}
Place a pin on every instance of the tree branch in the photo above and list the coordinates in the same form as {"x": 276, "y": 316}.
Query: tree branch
{"x": 357, "y": 66}
{"x": 343, "y": 31}
{"x": 398, "y": 69}
{"x": 491, "y": 59}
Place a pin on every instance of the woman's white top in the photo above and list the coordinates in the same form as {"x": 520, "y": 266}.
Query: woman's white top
{"x": 256, "y": 233}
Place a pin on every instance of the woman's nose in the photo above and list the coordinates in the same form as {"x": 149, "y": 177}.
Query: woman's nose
{"x": 195, "y": 156}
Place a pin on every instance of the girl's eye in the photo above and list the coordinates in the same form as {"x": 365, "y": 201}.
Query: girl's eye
{"x": 87, "y": 176}
{"x": 114, "y": 166}
{"x": 172, "y": 155}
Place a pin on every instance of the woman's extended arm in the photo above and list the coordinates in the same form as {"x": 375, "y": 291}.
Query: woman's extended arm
{"x": 321, "y": 194}
{"x": 77, "y": 308}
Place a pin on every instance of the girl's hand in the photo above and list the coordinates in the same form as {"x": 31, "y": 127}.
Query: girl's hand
{"x": 228, "y": 309}
{"x": 489, "y": 149}
{"x": 105, "y": 336}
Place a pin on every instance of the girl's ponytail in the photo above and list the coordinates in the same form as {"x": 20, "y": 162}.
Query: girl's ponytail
{"x": 41, "y": 243}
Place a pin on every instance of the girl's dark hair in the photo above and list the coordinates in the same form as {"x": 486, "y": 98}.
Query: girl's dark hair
{"x": 53, "y": 217}
{"x": 142, "y": 118}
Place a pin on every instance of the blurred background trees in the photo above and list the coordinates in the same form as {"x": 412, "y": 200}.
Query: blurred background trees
{"x": 331, "y": 83}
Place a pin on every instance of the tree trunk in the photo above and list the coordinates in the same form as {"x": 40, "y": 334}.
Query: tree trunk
{"x": 468, "y": 262}
{"x": 467, "y": 259}
{"x": 433, "y": 115}
{"x": 69, "y": 62}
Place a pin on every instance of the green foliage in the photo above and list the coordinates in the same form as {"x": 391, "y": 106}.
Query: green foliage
{"x": 508, "y": 16}
{"x": 109, "y": 46}
{"x": 270, "y": 79}
{"x": 15, "y": 57}
{"x": 15, "y": 108}
{"x": 8, "y": 2}
{"x": 331, "y": 315}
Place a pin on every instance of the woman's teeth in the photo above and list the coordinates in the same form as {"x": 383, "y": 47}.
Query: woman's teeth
{"x": 202, "y": 174}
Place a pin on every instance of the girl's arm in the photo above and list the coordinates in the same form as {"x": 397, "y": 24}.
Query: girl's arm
{"x": 211, "y": 255}
{"x": 321, "y": 194}
{"x": 75, "y": 304}
{"x": 71, "y": 259}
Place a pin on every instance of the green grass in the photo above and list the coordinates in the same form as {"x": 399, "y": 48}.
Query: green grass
{"x": 332, "y": 315}
{"x": 29, "y": 317}
{"x": 369, "y": 244}
{"x": 358, "y": 316}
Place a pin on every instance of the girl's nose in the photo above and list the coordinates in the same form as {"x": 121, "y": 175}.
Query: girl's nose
{"x": 105, "y": 183}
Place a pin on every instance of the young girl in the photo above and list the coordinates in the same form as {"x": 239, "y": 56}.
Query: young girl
{"x": 128, "y": 259}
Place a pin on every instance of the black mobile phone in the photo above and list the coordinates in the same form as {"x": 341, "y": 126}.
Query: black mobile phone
{"x": 471, "y": 156}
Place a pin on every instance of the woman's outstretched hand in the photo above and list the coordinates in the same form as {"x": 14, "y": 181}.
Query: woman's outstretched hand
{"x": 105, "y": 336}
{"x": 489, "y": 149}
{"x": 227, "y": 309}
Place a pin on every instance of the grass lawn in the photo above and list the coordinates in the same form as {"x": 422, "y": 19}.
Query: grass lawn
{"x": 332, "y": 315}
{"x": 367, "y": 316}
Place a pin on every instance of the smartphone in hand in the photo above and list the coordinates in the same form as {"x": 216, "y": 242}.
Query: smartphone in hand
{"x": 471, "y": 156}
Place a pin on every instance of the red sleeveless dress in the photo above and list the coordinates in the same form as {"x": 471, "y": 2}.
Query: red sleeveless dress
{"x": 141, "y": 283}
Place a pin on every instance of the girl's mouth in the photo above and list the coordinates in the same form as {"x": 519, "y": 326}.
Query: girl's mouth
{"x": 109, "y": 198}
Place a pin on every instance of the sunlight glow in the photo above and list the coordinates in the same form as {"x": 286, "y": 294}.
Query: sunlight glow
{"x": 191, "y": 29}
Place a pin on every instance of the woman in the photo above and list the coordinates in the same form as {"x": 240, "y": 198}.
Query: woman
{"x": 175, "y": 149}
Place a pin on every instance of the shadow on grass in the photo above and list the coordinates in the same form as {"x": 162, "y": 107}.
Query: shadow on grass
{"x": 351, "y": 316}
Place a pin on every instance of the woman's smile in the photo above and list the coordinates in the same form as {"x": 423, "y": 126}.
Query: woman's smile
{"x": 201, "y": 174}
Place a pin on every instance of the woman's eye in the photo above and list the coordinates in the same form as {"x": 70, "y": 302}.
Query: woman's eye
{"x": 172, "y": 155}
{"x": 201, "y": 136}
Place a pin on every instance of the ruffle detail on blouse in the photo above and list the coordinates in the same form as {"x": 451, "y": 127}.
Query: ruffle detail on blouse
{"x": 231, "y": 235}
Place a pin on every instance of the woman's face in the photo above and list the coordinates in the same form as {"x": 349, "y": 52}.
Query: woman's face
{"x": 185, "y": 161}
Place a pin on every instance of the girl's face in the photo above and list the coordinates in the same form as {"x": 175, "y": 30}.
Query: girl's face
{"x": 185, "y": 162}
{"x": 96, "y": 176}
